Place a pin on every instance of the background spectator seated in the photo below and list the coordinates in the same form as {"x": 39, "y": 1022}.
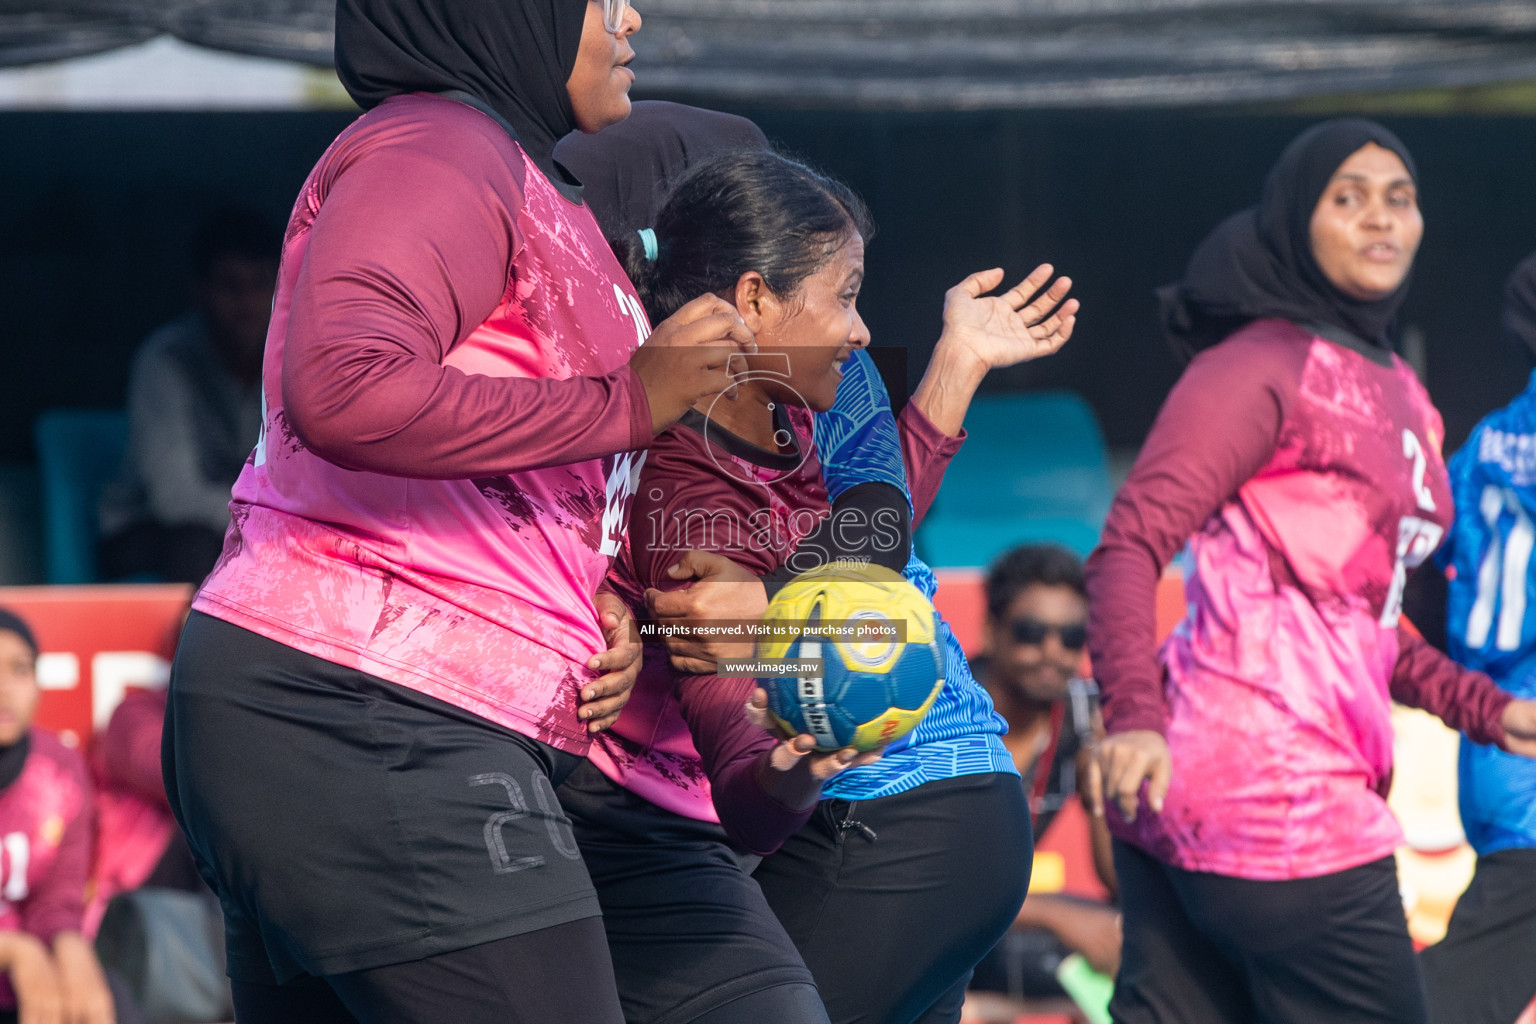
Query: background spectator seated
{"x": 138, "y": 841}
{"x": 48, "y": 970}
{"x": 160, "y": 925}
{"x": 194, "y": 409}
{"x": 1036, "y": 623}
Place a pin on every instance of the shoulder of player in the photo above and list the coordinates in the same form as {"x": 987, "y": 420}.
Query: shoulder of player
{"x": 1498, "y": 438}
{"x": 1271, "y": 344}
{"x": 56, "y": 770}
{"x": 1265, "y": 355}
{"x": 682, "y": 461}
{"x": 48, "y": 745}
{"x": 423, "y": 131}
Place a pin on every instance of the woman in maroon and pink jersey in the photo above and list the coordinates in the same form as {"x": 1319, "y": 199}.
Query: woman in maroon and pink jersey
{"x": 685, "y": 788}
{"x": 404, "y": 644}
{"x": 1299, "y": 458}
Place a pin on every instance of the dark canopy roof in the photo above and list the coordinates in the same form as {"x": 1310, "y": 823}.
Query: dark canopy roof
{"x": 941, "y": 54}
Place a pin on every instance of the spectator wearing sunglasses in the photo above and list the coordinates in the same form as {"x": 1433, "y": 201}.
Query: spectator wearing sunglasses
{"x": 1037, "y": 613}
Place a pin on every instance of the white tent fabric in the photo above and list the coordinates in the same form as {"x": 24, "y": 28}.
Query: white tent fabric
{"x": 927, "y": 54}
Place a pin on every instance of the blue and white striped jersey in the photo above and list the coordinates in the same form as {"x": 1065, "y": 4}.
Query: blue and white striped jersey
{"x": 1491, "y": 609}
{"x": 962, "y": 734}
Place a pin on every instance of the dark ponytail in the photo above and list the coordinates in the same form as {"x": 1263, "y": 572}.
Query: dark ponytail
{"x": 737, "y": 213}
{"x": 640, "y": 267}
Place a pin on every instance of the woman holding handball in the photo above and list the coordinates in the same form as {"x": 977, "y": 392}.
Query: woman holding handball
{"x": 407, "y": 641}
{"x": 1247, "y": 761}
{"x": 749, "y": 464}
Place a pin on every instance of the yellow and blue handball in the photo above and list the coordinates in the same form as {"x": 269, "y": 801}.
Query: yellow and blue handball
{"x": 864, "y": 646}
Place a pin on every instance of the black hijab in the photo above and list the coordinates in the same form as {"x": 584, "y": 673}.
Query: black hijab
{"x": 14, "y": 757}
{"x": 1520, "y": 306}
{"x": 513, "y": 55}
{"x": 1259, "y": 263}
{"x": 625, "y": 168}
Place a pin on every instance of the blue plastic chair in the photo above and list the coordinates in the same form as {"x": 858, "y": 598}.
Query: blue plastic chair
{"x": 1033, "y": 470}
{"x": 78, "y": 450}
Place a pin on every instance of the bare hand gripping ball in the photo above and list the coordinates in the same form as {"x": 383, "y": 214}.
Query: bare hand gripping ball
{"x": 877, "y": 637}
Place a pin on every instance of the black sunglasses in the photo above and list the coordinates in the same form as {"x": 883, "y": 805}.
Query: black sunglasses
{"x": 1034, "y": 632}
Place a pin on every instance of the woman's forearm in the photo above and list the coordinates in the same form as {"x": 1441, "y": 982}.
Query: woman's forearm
{"x": 950, "y": 382}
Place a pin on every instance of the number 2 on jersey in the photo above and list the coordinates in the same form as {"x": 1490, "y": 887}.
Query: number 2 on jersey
{"x": 1416, "y": 537}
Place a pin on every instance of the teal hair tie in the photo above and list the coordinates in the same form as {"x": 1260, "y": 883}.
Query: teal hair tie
{"x": 648, "y": 237}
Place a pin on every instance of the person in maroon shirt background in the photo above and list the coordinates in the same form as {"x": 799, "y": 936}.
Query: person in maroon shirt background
{"x": 1246, "y": 763}
{"x": 51, "y": 972}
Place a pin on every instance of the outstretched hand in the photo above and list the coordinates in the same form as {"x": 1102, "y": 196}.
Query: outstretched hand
{"x": 1026, "y": 322}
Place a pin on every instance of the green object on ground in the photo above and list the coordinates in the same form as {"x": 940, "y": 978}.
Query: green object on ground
{"x": 1089, "y": 989}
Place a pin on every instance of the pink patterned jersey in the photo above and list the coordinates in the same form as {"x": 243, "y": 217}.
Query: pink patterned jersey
{"x": 45, "y": 845}
{"x": 446, "y": 457}
{"x": 1307, "y": 477}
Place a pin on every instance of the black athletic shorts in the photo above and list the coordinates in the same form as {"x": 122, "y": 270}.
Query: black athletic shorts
{"x": 1209, "y": 949}
{"x": 893, "y": 901}
{"x": 1484, "y": 971}
{"x": 691, "y": 936}
{"x": 348, "y": 823}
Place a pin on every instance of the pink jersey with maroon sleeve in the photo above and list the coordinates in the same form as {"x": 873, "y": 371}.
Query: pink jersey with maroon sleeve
{"x": 704, "y": 488}
{"x": 45, "y": 845}
{"x": 1307, "y": 477}
{"x": 446, "y": 457}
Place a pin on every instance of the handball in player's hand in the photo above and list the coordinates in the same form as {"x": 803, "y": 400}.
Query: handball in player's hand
{"x": 794, "y": 771}
{"x": 687, "y": 357}
{"x": 850, "y": 655}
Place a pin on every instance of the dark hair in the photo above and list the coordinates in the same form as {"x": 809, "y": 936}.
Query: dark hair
{"x": 741, "y": 212}
{"x": 1026, "y": 566}
{"x": 1519, "y": 315}
{"x": 234, "y": 231}
{"x": 10, "y": 622}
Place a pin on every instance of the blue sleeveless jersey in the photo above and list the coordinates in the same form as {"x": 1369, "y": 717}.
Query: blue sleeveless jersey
{"x": 962, "y": 734}
{"x": 1491, "y": 609}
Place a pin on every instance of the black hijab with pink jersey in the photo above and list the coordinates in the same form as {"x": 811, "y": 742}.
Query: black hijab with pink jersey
{"x": 514, "y": 56}
{"x": 1258, "y": 263}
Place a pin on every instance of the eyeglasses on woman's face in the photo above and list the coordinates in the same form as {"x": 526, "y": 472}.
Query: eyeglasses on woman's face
{"x": 613, "y": 13}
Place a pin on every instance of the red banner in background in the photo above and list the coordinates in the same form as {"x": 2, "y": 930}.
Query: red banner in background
{"x": 97, "y": 642}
